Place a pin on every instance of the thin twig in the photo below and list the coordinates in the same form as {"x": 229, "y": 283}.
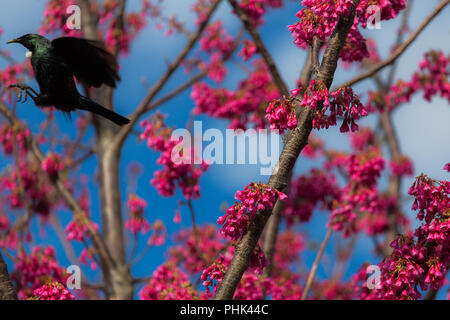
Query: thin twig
{"x": 282, "y": 87}
{"x": 312, "y": 273}
{"x": 70, "y": 201}
{"x": 142, "y": 108}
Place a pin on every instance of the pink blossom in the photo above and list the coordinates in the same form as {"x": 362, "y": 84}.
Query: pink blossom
{"x": 31, "y": 271}
{"x": 184, "y": 173}
{"x": 308, "y": 192}
{"x": 52, "y": 164}
{"x": 255, "y": 197}
{"x": 242, "y": 106}
{"x": 53, "y": 291}
{"x": 447, "y": 167}
{"x": 137, "y": 222}
{"x": 281, "y": 115}
{"x": 168, "y": 283}
{"x": 77, "y": 229}
{"x": 248, "y": 50}
{"x": 402, "y": 167}
{"x": 343, "y": 103}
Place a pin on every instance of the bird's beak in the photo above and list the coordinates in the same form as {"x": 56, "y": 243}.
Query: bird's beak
{"x": 13, "y": 41}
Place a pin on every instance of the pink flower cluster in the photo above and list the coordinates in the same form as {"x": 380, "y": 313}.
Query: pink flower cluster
{"x": 52, "y": 291}
{"x": 375, "y": 220}
{"x": 137, "y": 222}
{"x": 355, "y": 48}
{"x": 7, "y": 134}
{"x": 117, "y": 35}
{"x": 215, "y": 39}
{"x": 360, "y": 195}
{"x": 316, "y": 96}
{"x": 281, "y": 115}
{"x": 77, "y": 229}
{"x": 365, "y": 168}
{"x": 87, "y": 258}
{"x": 402, "y": 167}
{"x": 255, "y": 197}
{"x": 8, "y": 235}
{"x": 286, "y": 287}
{"x": 55, "y": 18}
{"x": 52, "y": 164}
{"x": 248, "y": 50}
{"x": 343, "y": 103}
{"x": 34, "y": 270}
{"x": 13, "y": 73}
{"x": 255, "y": 9}
{"x": 319, "y": 18}
{"x": 252, "y": 287}
{"x": 433, "y": 78}
{"x": 314, "y": 148}
{"x": 168, "y": 283}
{"x": 218, "y": 44}
{"x": 434, "y": 75}
{"x": 258, "y": 261}
{"x": 201, "y": 7}
{"x": 447, "y": 167}
{"x": 282, "y": 285}
{"x": 309, "y": 191}
{"x": 184, "y": 172}
{"x": 212, "y": 276}
{"x": 241, "y": 106}
{"x": 419, "y": 261}
{"x": 389, "y": 9}
{"x": 36, "y": 187}
{"x": 288, "y": 248}
{"x": 193, "y": 251}
{"x": 159, "y": 234}
{"x": 197, "y": 257}
{"x": 362, "y": 139}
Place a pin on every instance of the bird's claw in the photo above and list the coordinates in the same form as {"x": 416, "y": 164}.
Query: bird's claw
{"x": 23, "y": 91}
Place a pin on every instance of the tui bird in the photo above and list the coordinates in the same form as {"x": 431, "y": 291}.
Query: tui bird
{"x": 56, "y": 62}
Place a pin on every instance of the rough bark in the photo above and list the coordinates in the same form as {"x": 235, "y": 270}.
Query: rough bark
{"x": 118, "y": 280}
{"x": 291, "y": 150}
{"x": 7, "y": 291}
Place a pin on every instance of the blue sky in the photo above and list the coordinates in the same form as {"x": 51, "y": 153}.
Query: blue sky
{"x": 422, "y": 127}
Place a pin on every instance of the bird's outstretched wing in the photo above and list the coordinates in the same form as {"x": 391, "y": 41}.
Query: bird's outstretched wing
{"x": 90, "y": 62}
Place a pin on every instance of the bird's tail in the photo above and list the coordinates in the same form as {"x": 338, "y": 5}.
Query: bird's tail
{"x": 89, "y": 105}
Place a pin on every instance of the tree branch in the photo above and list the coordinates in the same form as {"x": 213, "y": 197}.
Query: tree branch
{"x": 141, "y": 109}
{"x": 271, "y": 231}
{"x": 313, "y": 271}
{"x": 68, "y": 198}
{"x": 399, "y": 51}
{"x": 7, "y": 291}
{"x": 289, "y": 155}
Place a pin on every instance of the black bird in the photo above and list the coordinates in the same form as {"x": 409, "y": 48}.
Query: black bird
{"x": 55, "y": 63}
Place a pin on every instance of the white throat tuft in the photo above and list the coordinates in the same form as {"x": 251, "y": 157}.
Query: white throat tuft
{"x": 28, "y": 54}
